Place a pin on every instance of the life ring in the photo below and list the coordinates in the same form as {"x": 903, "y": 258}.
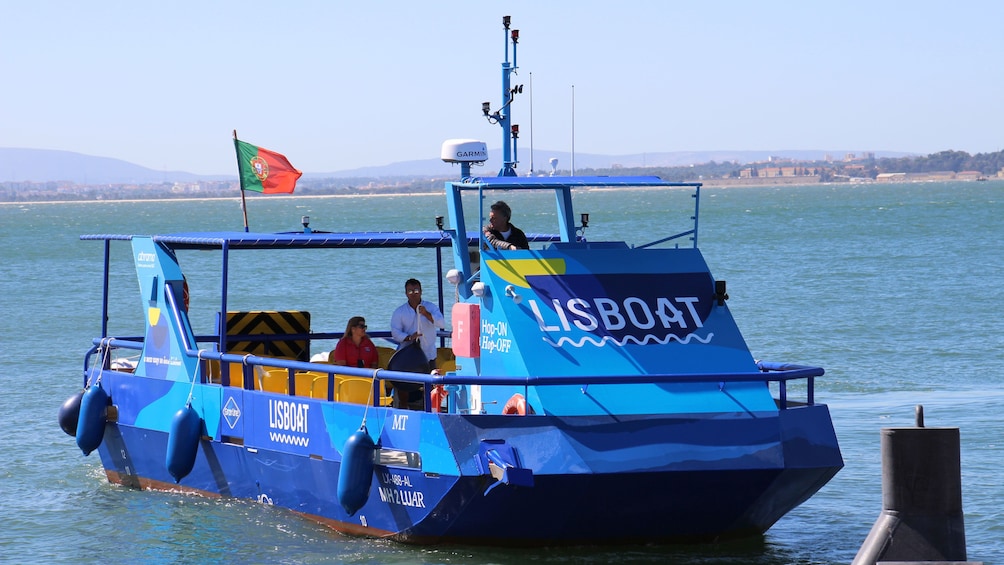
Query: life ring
{"x": 437, "y": 396}
{"x": 517, "y": 406}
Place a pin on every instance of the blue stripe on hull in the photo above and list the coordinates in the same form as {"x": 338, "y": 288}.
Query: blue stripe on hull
{"x": 617, "y": 492}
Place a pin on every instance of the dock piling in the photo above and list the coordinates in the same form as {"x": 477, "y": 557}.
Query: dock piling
{"x": 921, "y": 517}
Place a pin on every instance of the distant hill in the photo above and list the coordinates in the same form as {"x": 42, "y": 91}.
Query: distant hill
{"x": 44, "y": 165}
{"x": 47, "y": 165}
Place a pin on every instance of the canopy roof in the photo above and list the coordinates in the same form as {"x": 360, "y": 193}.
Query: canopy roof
{"x": 313, "y": 240}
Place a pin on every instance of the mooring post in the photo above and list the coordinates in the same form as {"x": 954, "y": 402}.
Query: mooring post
{"x": 921, "y": 517}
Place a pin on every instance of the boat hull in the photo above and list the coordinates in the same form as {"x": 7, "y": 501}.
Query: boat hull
{"x": 595, "y": 479}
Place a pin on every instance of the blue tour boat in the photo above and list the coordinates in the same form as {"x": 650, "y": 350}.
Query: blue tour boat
{"x": 591, "y": 391}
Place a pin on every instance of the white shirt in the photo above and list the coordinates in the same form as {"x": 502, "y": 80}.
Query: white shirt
{"x": 406, "y": 320}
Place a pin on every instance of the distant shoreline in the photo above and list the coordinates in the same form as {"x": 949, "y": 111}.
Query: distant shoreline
{"x": 706, "y": 183}
{"x": 218, "y": 198}
{"x": 356, "y": 195}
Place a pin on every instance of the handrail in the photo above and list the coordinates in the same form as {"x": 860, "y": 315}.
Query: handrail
{"x": 665, "y": 239}
{"x": 692, "y": 232}
{"x": 312, "y": 336}
{"x": 769, "y": 372}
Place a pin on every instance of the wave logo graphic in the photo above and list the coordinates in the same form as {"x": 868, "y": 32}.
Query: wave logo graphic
{"x": 289, "y": 439}
{"x": 647, "y": 339}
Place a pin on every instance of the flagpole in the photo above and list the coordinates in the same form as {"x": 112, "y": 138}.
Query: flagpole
{"x": 240, "y": 180}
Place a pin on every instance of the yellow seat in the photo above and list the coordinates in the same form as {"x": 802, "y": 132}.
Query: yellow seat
{"x": 355, "y": 389}
{"x": 236, "y": 374}
{"x": 385, "y": 353}
{"x": 276, "y": 380}
{"x": 305, "y": 382}
{"x": 319, "y": 387}
{"x": 443, "y": 356}
{"x": 213, "y": 374}
{"x": 313, "y": 384}
{"x": 385, "y": 398}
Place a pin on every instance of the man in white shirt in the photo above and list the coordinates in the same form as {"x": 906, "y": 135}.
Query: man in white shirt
{"x": 417, "y": 319}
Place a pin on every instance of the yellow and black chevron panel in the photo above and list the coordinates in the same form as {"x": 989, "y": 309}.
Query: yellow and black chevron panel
{"x": 270, "y": 322}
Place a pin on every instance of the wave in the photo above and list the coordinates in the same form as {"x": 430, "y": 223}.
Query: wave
{"x": 289, "y": 439}
{"x": 649, "y": 338}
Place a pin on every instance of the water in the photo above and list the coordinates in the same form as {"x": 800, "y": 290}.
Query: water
{"x": 895, "y": 289}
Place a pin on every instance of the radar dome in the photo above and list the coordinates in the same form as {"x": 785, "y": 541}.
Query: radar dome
{"x": 464, "y": 151}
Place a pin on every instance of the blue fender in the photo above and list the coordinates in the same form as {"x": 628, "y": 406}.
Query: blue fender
{"x": 92, "y": 418}
{"x": 183, "y": 442}
{"x": 356, "y": 472}
{"x": 69, "y": 413}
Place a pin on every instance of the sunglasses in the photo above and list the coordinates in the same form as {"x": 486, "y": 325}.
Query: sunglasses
{"x": 363, "y": 326}
{"x": 414, "y": 291}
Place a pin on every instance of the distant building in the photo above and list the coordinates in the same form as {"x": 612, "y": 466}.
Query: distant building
{"x": 890, "y": 177}
{"x": 774, "y": 172}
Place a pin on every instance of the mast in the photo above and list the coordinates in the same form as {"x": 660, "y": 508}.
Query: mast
{"x": 531, "y": 126}
{"x": 502, "y": 116}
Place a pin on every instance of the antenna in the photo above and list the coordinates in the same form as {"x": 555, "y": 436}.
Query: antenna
{"x": 573, "y": 130}
{"x": 530, "y": 174}
{"x": 510, "y": 133}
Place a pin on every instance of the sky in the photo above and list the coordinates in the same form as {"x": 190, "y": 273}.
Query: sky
{"x": 340, "y": 85}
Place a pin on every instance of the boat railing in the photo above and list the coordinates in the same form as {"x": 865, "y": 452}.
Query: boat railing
{"x": 682, "y": 234}
{"x": 691, "y": 232}
{"x": 311, "y": 337}
{"x": 563, "y": 187}
{"x": 769, "y": 372}
{"x": 105, "y": 345}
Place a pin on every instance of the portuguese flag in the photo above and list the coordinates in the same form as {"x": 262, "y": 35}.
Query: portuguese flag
{"x": 264, "y": 171}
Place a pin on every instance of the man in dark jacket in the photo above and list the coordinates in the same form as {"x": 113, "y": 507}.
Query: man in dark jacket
{"x": 500, "y": 233}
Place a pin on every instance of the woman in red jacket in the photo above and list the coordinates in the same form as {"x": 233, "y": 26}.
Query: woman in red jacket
{"x": 355, "y": 349}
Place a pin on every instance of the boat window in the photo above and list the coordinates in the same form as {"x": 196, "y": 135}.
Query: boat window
{"x": 398, "y": 458}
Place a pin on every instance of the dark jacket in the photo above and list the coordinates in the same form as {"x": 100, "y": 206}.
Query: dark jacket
{"x": 517, "y": 239}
